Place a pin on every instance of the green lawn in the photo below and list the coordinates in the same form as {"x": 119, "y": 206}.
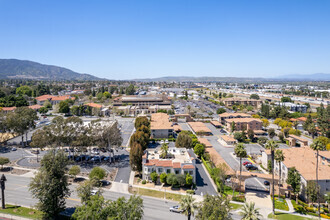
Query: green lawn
{"x": 235, "y": 206}
{"x": 229, "y": 191}
{"x": 283, "y": 205}
{"x": 21, "y": 211}
{"x": 284, "y": 216}
{"x": 156, "y": 193}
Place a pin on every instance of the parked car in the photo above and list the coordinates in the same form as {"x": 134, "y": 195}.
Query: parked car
{"x": 176, "y": 209}
{"x": 105, "y": 182}
{"x": 106, "y": 158}
{"x": 96, "y": 159}
{"x": 35, "y": 151}
{"x": 251, "y": 167}
{"x": 266, "y": 183}
{"x": 246, "y": 163}
{"x": 94, "y": 192}
{"x": 14, "y": 149}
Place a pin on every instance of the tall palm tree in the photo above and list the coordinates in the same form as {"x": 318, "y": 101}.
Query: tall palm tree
{"x": 279, "y": 157}
{"x": 187, "y": 204}
{"x": 272, "y": 145}
{"x": 249, "y": 212}
{"x": 318, "y": 145}
{"x": 241, "y": 153}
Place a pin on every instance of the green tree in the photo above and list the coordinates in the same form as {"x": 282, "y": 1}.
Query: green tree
{"x": 40, "y": 139}
{"x": 188, "y": 205}
{"x": 154, "y": 177}
{"x": 64, "y": 107}
{"x": 318, "y": 145}
{"x": 254, "y": 96}
{"x": 43, "y": 110}
{"x": 221, "y": 110}
{"x": 239, "y": 136}
{"x": 265, "y": 123}
{"x": 74, "y": 171}
{"x": 107, "y": 95}
{"x": 84, "y": 190}
{"x": 3, "y": 161}
{"x": 164, "y": 151}
{"x": 279, "y": 157}
{"x": 250, "y": 212}
{"x": 272, "y": 146}
{"x": 97, "y": 173}
{"x": 171, "y": 179}
{"x": 163, "y": 177}
{"x": 24, "y": 90}
{"x": 286, "y": 99}
{"x": 308, "y": 122}
{"x": 183, "y": 141}
{"x": 250, "y": 134}
{"x": 130, "y": 90}
{"x": 50, "y": 184}
{"x": 135, "y": 157}
{"x": 189, "y": 179}
{"x": 199, "y": 150}
{"x": 271, "y": 133}
{"x": 312, "y": 191}
{"x": 294, "y": 181}
{"x": 214, "y": 207}
{"x": 241, "y": 153}
{"x": 142, "y": 120}
{"x": 233, "y": 126}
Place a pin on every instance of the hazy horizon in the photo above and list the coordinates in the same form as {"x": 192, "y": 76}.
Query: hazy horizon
{"x": 151, "y": 39}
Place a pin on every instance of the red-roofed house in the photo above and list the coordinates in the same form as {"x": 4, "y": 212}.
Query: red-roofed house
{"x": 178, "y": 161}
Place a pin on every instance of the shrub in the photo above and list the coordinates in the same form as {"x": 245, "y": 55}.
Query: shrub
{"x": 163, "y": 177}
{"x": 154, "y": 177}
{"x": 97, "y": 173}
{"x": 300, "y": 209}
{"x": 3, "y": 161}
{"x": 144, "y": 181}
{"x": 190, "y": 191}
{"x": 325, "y": 216}
{"x": 74, "y": 171}
{"x": 240, "y": 198}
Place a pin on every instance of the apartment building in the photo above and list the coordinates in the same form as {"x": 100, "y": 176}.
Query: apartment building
{"x": 229, "y": 102}
{"x": 52, "y": 99}
{"x": 178, "y": 161}
{"x": 226, "y": 115}
{"x": 160, "y": 126}
{"x": 304, "y": 160}
{"x": 244, "y": 123}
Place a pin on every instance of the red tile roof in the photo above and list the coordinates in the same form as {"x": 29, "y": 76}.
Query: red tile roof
{"x": 8, "y": 108}
{"x": 35, "y": 107}
{"x": 94, "y": 105}
{"x": 176, "y": 165}
{"x": 44, "y": 97}
{"x": 188, "y": 166}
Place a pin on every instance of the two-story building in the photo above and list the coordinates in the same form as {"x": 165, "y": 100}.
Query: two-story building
{"x": 224, "y": 116}
{"x": 160, "y": 126}
{"x": 178, "y": 161}
{"x": 244, "y": 123}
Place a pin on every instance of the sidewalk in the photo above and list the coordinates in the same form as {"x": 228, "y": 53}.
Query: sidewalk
{"x": 9, "y": 217}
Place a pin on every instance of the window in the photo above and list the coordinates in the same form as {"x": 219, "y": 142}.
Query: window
{"x": 168, "y": 171}
{"x": 191, "y": 172}
{"x": 185, "y": 172}
{"x": 176, "y": 171}
{"x": 160, "y": 170}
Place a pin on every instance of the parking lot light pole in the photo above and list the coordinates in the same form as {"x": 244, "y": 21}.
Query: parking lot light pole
{"x": 2, "y": 183}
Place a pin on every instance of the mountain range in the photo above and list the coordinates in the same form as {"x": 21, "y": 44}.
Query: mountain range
{"x": 24, "y": 69}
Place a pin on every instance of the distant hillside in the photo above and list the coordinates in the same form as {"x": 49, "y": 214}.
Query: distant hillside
{"x": 297, "y": 77}
{"x": 24, "y": 69}
{"x": 201, "y": 79}
{"x": 312, "y": 77}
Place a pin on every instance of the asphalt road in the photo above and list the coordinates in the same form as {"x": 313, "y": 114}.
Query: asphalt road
{"x": 124, "y": 169}
{"x": 17, "y": 193}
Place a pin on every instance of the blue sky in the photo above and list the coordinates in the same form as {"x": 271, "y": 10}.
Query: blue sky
{"x": 144, "y": 39}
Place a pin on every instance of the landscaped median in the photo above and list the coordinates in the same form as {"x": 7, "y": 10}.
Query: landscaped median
{"x": 21, "y": 211}
{"x": 155, "y": 193}
{"x": 286, "y": 216}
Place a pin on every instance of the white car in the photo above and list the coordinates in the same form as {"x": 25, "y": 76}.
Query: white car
{"x": 94, "y": 192}
{"x": 176, "y": 209}
{"x": 162, "y": 142}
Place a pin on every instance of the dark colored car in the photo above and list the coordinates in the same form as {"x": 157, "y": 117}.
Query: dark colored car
{"x": 266, "y": 183}
{"x": 251, "y": 167}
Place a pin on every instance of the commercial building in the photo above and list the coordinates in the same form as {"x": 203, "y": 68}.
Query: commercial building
{"x": 293, "y": 107}
{"x": 229, "y": 102}
{"x": 244, "y": 123}
{"x": 143, "y": 104}
{"x": 226, "y": 115}
{"x": 177, "y": 161}
{"x": 227, "y": 139}
{"x": 98, "y": 109}
{"x": 160, "y": 126}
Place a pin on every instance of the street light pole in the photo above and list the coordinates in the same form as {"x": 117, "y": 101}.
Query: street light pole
{"x": 2, "y": 183}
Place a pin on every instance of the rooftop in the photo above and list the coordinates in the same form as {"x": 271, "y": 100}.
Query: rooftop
{"x": 160, "y": 121}
{"x": 235, "y": 114}
{"x": 243, "y": 120}
{"x": 199, "y": 127}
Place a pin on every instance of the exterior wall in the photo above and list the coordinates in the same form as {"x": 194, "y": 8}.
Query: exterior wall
{"x": 253, "y": 125}
{"x": 161, "y": 133}
{"x": 147, "y": 170}
{"x": 264, "y": 159}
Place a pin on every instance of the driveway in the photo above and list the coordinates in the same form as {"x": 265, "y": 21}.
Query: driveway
{"x": 262, "y": 201}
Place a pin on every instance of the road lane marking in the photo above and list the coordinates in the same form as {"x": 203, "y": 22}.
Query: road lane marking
{"x": 78, "y": 200}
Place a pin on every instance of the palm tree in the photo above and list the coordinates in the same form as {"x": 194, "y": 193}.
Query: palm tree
{"x": 279, "y": 157}
{"x": 318, "y": 145}
{"x": 164, "y": 151}
{"x": 249, "y": 212}
{"x": 272, "y": 145}
{"x": 241, "y": 153}
{"x": 187, "y": 204}
{"x": 312, "y": 130}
